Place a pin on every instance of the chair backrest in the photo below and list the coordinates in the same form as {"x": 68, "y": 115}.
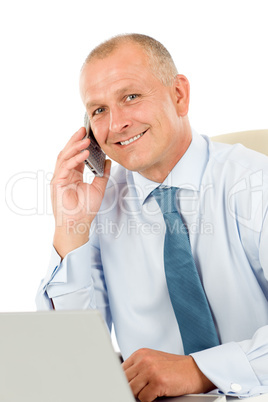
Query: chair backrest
{"x": 254, "y": 139}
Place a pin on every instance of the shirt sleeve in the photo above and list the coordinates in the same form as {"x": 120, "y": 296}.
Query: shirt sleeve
{"x": 237, "y": 368}
{"x": 75, "y": 283}
{"x": 241, "y": 368}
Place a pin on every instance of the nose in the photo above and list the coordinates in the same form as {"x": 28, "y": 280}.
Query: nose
{"x": 119, "y": 122}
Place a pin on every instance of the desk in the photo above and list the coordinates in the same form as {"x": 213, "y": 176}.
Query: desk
{"x": 214, "y": 398}
{"x": 260, "y": 398}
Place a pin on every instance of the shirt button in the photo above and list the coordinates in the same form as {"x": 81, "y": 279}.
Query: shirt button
{"x": 236, "y": 387}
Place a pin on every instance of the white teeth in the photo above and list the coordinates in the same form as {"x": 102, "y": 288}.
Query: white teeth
{"x": 131, "y": 139}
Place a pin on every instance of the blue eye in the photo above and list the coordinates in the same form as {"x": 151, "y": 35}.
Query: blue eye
{"x": 98, "y": 111}
{"x": 132, "y": 96}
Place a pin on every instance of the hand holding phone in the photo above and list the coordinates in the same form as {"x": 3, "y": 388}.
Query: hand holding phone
{"x": 75, "y": 202}
{"x": 95, "y": 161}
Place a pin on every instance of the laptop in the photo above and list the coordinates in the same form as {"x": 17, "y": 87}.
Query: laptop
{"x": 62, "y": 356}
{"x": 59, "y": 356}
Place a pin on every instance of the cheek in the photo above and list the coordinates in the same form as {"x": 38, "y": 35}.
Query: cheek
{"x": 100, "y": 131}
{"x": 143, "y": 112}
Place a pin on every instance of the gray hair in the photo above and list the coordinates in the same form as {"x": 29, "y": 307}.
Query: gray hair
{"x": 159, "y": 58}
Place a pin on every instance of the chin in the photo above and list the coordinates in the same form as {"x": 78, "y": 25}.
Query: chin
{"x": 132, "y": 167}
{"x": 133, "y": 164}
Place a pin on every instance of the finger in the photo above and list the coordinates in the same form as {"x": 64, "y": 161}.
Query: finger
{"x": 137, "y": 374}
{"x": 79, "y": 135}
{"x": 107, "y": 168}
{"x": 76, "y": 143}
{"x": 138, "y": 384}
{"x": 131, "y": 373}
{"x": 100, "y": 182}
{"x": 74, "y": 149}
{"x": 144, "y": 354}
{"x": 150, "y": 385}
{"x": 76, "y": 162}
{"x": 129, "y": 362}
{"x": 148, "y": 393}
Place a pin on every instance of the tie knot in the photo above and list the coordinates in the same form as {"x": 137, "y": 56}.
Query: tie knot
{"x": 166, "y": 199}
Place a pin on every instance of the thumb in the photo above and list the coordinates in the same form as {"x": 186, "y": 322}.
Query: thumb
{"x": 100, "y": 183}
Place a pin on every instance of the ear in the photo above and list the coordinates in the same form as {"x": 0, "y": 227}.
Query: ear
{"x": 182, "y": 94}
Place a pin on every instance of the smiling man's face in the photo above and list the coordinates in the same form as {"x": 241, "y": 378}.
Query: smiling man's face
{"x": 137, "y": 120}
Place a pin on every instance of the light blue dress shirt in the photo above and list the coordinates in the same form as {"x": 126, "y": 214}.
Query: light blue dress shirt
{"x": 120, "y": 271}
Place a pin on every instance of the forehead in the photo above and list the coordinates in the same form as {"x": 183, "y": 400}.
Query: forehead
{"x": 126, "y": 66}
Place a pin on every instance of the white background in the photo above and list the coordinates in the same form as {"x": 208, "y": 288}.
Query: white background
{"x": 221, "y": 46}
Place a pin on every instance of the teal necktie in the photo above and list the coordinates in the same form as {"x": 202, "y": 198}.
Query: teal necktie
{"x": 185, "y": 289}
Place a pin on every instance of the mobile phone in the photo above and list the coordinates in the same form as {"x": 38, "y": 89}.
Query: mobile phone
{"x": 96, "y": 159}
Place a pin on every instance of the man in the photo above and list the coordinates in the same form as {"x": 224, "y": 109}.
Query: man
{"x": 137, "y": 105}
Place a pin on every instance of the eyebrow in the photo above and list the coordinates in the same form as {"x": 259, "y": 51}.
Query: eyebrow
{"x": 90, "y": 105}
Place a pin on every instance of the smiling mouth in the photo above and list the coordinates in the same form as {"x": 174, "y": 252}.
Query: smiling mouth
{"x": 132, "y": 139}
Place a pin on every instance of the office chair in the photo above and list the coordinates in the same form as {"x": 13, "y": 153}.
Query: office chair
{"x": 254, "y": 139}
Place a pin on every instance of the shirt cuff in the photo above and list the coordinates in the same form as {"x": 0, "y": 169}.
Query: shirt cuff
{"x": 70, "y": 274}
{"x": 228, "y": 368}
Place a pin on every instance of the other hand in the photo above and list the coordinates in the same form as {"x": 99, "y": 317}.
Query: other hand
{"x": 153, "y": 374}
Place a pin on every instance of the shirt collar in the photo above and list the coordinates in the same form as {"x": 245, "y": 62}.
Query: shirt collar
{"x": 187, "y": 173}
